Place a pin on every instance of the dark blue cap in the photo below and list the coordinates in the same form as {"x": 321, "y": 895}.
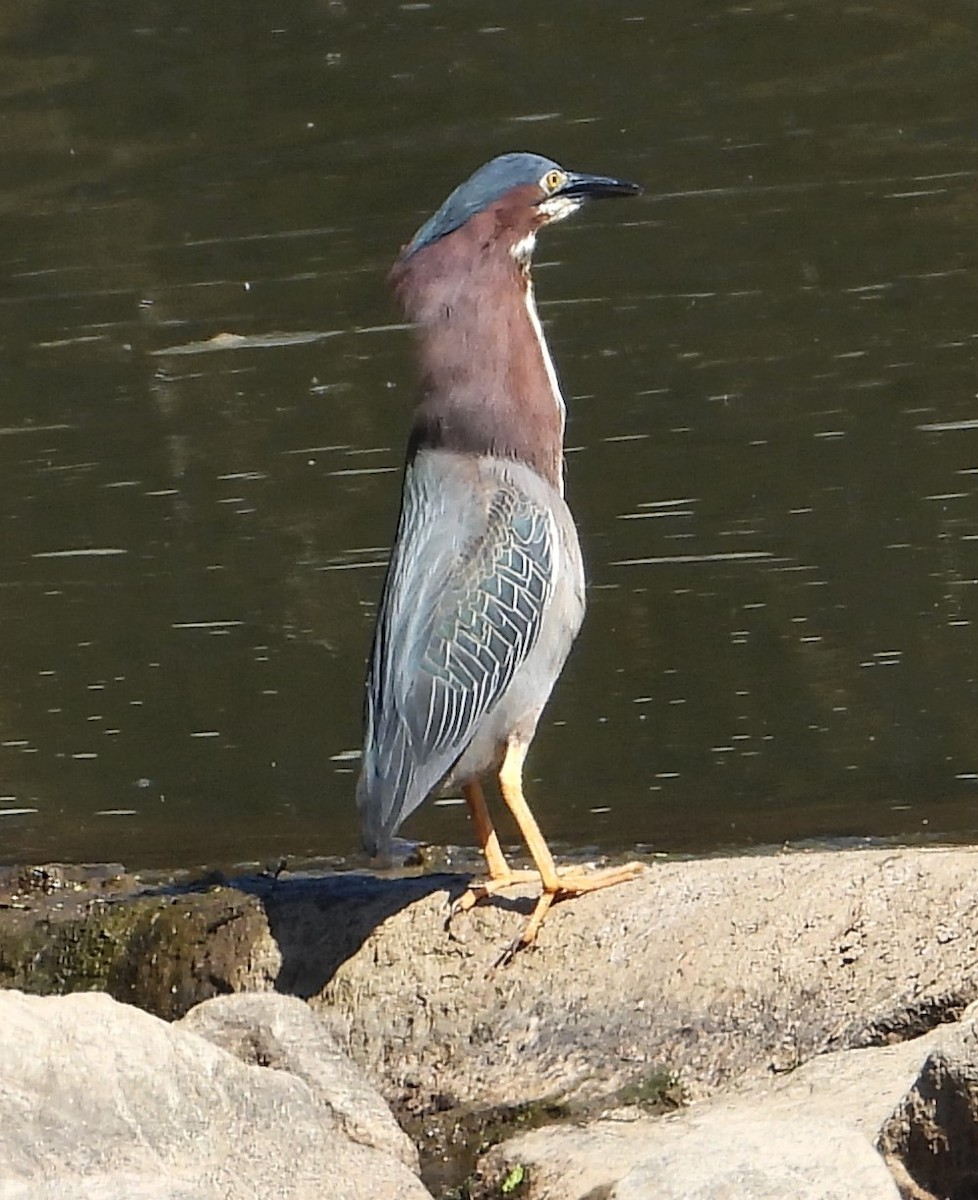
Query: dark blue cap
{"x": 481, "y": 189}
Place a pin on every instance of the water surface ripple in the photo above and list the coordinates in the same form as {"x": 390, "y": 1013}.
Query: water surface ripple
{"x": 769, "y": 362}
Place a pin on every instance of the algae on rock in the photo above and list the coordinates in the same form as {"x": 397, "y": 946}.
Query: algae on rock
{"x": 163, "y": 950}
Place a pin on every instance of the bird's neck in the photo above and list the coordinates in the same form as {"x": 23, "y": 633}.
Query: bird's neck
{"x": 488, "y": 382}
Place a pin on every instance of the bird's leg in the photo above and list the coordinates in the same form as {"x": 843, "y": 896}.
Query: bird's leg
{"x": 557, "y": 885}
{"x": 485, "y": 831}
{"x": 501, "y": 874}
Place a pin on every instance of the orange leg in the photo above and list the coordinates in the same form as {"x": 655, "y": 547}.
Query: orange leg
{"x": 501, "y": 874}
{"x": 557, "y": 885}
{"x": 485, "y": 832}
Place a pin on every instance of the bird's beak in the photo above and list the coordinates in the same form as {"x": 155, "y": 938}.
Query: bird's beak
{"x": 595, "y": 187}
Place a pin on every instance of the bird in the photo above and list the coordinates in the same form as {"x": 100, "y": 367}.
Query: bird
{"x": 484, "y": 592}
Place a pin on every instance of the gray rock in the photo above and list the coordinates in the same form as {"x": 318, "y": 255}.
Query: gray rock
{"x": 723, "y": 1153}
{"x": 269, "y": 1030}
{"x": 712, "y": 970}
{"x": 812, "y": 1134}
{"x": 101, "y": 1100}
{"x": 718, "y": 971}
{"x": 741, "y": 1156}
{"x": 929, "y": 1140}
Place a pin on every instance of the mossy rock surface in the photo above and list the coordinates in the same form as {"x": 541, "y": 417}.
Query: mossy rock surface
{"x": 160, "y": 946}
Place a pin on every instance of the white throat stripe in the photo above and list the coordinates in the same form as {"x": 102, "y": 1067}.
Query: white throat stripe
{"x": 548, "y": 362}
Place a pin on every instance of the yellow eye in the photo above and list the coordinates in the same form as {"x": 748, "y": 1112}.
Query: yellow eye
{"x": 553, "y": 180}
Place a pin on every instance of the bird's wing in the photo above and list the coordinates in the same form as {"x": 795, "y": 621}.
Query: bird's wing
{"x": 469, "y": 580}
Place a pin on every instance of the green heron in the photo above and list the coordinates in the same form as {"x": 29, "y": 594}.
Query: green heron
{"x": 484, "y": 593}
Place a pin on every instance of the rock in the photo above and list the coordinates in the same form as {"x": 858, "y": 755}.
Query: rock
{"x": 711, "y": 969}
{"x": 160, "y": 946}
{"x": 101, "y": 1100}
{"x": 846, "y": 1126}
{"x": 752, "y": 1150}
{"x": 281, "y": 1032}
{"x": 747, "y": 1158}
{"x": 929, "y": 1140}
{"x": 715, "y": 971}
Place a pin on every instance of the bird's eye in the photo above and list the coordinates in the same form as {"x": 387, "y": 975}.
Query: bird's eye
{"x": 553, "y": 180}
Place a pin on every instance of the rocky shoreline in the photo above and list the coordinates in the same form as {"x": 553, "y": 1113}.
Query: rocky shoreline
{"x": 804, "y": 1014}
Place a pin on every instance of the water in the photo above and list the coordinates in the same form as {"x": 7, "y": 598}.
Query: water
{"x": 769, "y": 362}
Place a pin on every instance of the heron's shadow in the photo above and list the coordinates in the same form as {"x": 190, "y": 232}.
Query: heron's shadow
{"x": 318, "y": 922}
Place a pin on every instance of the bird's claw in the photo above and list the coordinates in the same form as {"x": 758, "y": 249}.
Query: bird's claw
{"x": 465, "y": 903}
{"x": 569, "y": 881}
{"x": 510, "y": 952}
{"x": 475, "y": 893}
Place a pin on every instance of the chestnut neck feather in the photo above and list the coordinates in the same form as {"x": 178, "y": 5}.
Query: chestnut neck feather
{"x": 487, "y": 384}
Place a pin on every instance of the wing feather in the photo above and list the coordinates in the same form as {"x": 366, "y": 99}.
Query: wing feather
{"x": 463, "y": 603}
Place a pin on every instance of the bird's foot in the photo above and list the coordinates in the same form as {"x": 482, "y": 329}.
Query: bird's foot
{"x": 574, "y": 881}
{"x": 571, "y": 881}
{"x": 476, "y": 892}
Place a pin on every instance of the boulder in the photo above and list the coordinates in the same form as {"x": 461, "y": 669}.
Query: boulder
{"x": 747, "y": 1157}
{"x": 101, "y": 1100}
{"x": 720, "y": 973}
{"x": 710, "y": 970}
{"x": 872, "y": 1124}
{"x": 269, "y": 1030}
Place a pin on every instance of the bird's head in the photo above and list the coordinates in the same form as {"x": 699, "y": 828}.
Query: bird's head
{"x": 523, "y": 192}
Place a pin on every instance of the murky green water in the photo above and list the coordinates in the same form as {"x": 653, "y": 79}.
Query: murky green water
{"x": 770, "y": 366}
